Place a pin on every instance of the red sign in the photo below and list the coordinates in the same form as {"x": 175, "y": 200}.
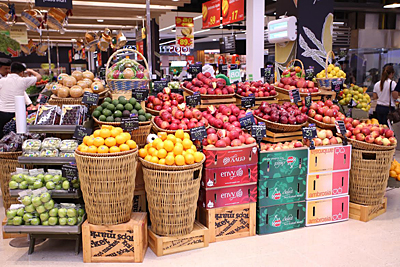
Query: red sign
{"x": 12, "y": 52}
{"x": 99, "y": 59}
{"x": 140, "y": 49}
{"x": 185, "y": 41}
{"x": 232, "y": 11}
{"x": 184, "y": 22}
{"x": 184, "y": 31}
{"x": 211, "y": 11}
{"x": 70, "y": 56}
{"x": 190, "y": 59}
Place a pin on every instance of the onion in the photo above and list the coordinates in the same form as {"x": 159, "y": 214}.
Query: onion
{"x": 77, "y": 75}
{"x": 76, "y": 91}
{"x": 63, "y": 92}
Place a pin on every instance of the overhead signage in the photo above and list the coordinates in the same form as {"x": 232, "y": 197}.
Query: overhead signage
{"x": 174, "y": 49}
{"x": 67, "y": 4}
{"x": 227, "y": 44}
{"x": 211, "y": 12}
{"x": 19, "y": 34}
{"x": 184, "y": 31}
{"x": 232, "y": 11}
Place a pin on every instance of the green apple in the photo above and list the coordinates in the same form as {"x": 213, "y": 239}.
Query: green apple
{"x": 79, "y": 219}
{"x": 63, "y": 221}
{"x": 45, "y": 197}
{"x": 26, "y": 200}
{"x": 20, "y": 212}
{"x": 53, "y": 212}
{"x": 71, "y": 212}
{"x": 65, "y": 185}
{"x": 17, "y": 220}
{"x": 13, "y": 185}
{"x": 62, "y": 212}
{"x": 9, "y": 221}
{"x": 30, "y": 187}
{"x": 81, "y": 212}
{"x": 40, "y": 209}
{"x": 35, "y": 221}
{"x": 11, "y": 214}
{"x": 23, "y": 185}
{"x": 31, "y": 180}
{"x": 27, "y": 217}
{"x": 58, "y": 187}
{"x": 37, "y": 184}
{"x": 45, "y": 223}
{"x": 19, "y": 178}
{"x": 50, "y": 185}
{"x": 48, "y": 177}
{"x": 49, "y": 205}
{"x": 56, "y": 179}
{"x": 53, "y": 220}
{"x": 36, "y": 201}
{"x": 72, "y": 221}
{"x": 30, "y": 208}
{"x": 44, "y": 216}
{"x": 14, "y": 177}
{"x": 40, "y": 177}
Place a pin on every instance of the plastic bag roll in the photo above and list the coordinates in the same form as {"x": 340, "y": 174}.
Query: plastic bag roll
{"x": 20, "y": 114}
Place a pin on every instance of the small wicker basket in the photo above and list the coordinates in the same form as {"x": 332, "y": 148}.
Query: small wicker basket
{"x": 281, "y": 127}
{"x": 326, "y": 83}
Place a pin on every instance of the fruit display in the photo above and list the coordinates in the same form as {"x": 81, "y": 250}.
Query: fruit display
{"x": 369, "y": 133}
{"x": 108, "y": 139}
{"x": 113, "y": 110}
{"x": 332, "y": 71}
{"x": 281, "y": 146}
{"x": 325, "y": 138}
{"x": 127, "y": 69}
{"x": 224, "y": 116}
{"x": 73, "y": 114}
{"x": 257, "y": 88}
{"x": 292, "y": 78}
{"x": 12, "y": 142}
{"x": 325, "y": 112}
{"x": 49, "y": 147}
{"x": 164, "y": 101}
{"x": 287, "y": 113}
{"x": 47, "y": 115}
{"x": 174, "y": 85}
{"x": 205, "y": 84}
{"x": 395, "y": 170}
{"x": 172, "y": 150}
{"x": 362, "y": 99}
{"x": 75, "y": 85}
{"x": 181, "y": 117}
{"x": 222, "y": 138}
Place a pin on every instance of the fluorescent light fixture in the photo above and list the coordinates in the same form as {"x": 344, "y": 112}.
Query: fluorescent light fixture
{"x": 214, "y": 40}
{"x": 167, "y": 42}
{"x": 206, "y": 30}
{"x": 100, "y": 20}
{"x": 175, "y": 0}
{"x": 221, "y": 26}
{"x": 211, "y": 51}
{"x": 274, "y": 13}
{"x": 139, "y": 17}
{"x": 394, "y": 5}
{"x": 198, "y": 17}
{"x": 73, "y": 40}
{"x": 169, "y": 27}
{"x": 173, "y": 30}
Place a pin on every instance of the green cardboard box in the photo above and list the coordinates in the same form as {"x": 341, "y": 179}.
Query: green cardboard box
{"x": 277, "y": 191}
{"x": 283, "y": 163}
{"x": 281, "y": 218}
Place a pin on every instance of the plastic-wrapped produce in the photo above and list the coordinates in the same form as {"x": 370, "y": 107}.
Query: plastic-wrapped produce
{"x": 47, "y": 115}
{"x": 30, "y": 153}
{"x": 32, "y": 145}
{"x": 73, "y": 114}
{"x": 49, "y": 153}
{"x": 51, "y": 143}
{"x": 12, "y": 142}
{"x": 68, "y": 145}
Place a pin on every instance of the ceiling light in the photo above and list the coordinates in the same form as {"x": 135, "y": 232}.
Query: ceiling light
{"x": 173, "y": 30}
{"x": 206, "y": 30}
{"x": 394, "y": 5}
{"x": 175, "y": 0}
{"x": 198, "y": 17}
{"x": 100, "y": 20}
{"x": 214, "y": 40}
{"x": 168, "y": 42}
{"x": 139, "y": 17}
{"x": 73, "y": 40}
{"x": 274, "y": 13}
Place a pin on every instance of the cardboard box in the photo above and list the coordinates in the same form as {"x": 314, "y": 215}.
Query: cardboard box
{"x": 323, "y": 185}
{"x": 277, "y": 191}
{"x": 281, "y": 218}
{"x": 228, "y": 157}
{"x": 236, "y": 175}
{"x": 327, "y": 210}
{"x": 277, "y": 164}
{"x": 227, "y": 196}
{"x": 329, "y": 158}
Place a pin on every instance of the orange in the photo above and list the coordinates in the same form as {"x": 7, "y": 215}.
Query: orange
{"x": 187, "y": 144}
{"x": 154, "y": 159}
{"x": 110, "y": 141}
{"x": 170, "y": 160}
{"x": 119, "y": 129}
{"x": 179, "y": 160}
{"x": 114, "y": 132}
{"x": 186, "y": 136}
{"x": 98, "y": 141}
{"x": 189, "y": 159}
{"x": 114, "y": 149}
{"x": 180, "y": 134}
{"x": 152, "y": 151}
{"x": 168, "y": 145}
{"x": 190, "y": 151}
{"x": 183, "y": 153}
{"x": 162, "y": 153}
{"x": 85, "y": 139}
{"x": 127, "y": 136}
{"x": 170, "y": 154}
{"x": 162, "y": 135}
{"x": 105, "y": 133}
{"x": 198, "y": 157}
{"x": 178, "y": 150}
{"x": 108, "y": 127}
{"x": 131, "y": 144}
{"x": 178, "y": 141}
{"x": 161, "y": 161}
{"x": 393, "y": 174}
{"x": 102, "y": 149}
{"x": 172, "y": 138}
{"x": 92, "y": 149}
{"x": 96, "y": 133}
{"x": 160, "y": 145}
{"x": 148, "y": 158}
{"x": 124, "y": 147}
{"x": 83, "y": 148}
{"x": 90, "y": 141}
{"x": 194, "y": 148}
{"x": 120, "y": 139}
{"x": 156, "y": 141}
{"x": 142, "y": 153}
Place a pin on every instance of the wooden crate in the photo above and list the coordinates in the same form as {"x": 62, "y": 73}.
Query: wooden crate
{"x": 10, "y": 235}
{"x": 164, "y": 245}
{"x": 367, "y": 213}
{"x": 139, "y": 201}
{"x": 126, "y": 242}
{"x": 205, "y": 103}
{"x": 273, "y": 137}
{"x": 229, "y": 222}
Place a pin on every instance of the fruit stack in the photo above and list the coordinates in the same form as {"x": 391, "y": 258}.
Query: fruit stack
{"x": 281, "y": 188}
{"x": 395, "y": 170}
{"x": 181, "y": 117}
{"x": 362, "y": 99}
{"x": 164, "y": 101}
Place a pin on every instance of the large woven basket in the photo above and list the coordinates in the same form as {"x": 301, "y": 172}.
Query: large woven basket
{"x": 326, "y": 83}
{"x": 369, "y": 175}
{"x": 367, "y": 146}
{"x": 157, "y": 129}
{"x": 108, "y": 185}
{"x": 172, "y": 194}
{"x": 321, "y": 124}
{"x": 279, "y": 126}
{"x": 60, "y": 101}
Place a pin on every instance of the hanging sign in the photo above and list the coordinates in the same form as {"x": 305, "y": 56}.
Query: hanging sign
{"x": 19, "y": 34}
{"x": 234, "y": 75}
{"x": 184, "y": 31}
{"x": 232, "y": 11}
{"x": 67, "y": 4}
{"x": 211, "y": 12}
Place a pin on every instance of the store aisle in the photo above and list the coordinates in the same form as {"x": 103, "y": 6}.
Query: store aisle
{"x": 351, "y": 243}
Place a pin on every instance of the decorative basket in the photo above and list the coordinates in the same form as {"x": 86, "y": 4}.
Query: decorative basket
{"x": 172, "y": 193}
{"x": 281, "y": 127}
{"x": 157, "y": 129}
{"x": 59, "y": 101}
{"x": 367, "y": 146}
{"x": 369, "y": 175}
{"x": 326, "y": 83}
{"x": 30, "y": 18}
{"x": 108, "y": 185}
{"x": 206, "y": 96}
{"x": 321, "y": 124}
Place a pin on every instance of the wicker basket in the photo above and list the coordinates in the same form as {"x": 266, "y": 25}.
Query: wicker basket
{"x": 108, "y": 185}
{"x": 367, "y": 146}
{"x": 60, "y": 101}
{"x": 259, "y": 98}
{"x": 322, "y": 125}
{"x": 326, "y": 83}
{"x": 369, "y": 175}
{"x": 157, "y": 129}
{"x": 206, "y": 96}
{"x": 281, "y": 127}
{"x": 286, "y": 92}
{"x": 153, "y": 112}
{"x": 124, "y": 86}
{"x": 172, "y": 194}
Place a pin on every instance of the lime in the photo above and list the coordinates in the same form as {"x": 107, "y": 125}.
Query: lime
{"x": 107, "y": 99}
{"x": 105, "y": 104}
{"x": 122, "y": 100}
{"x": 99, "y": 108}
{"x": 141, "y": 112}
{"x": 138, "y": 106}
{"x": 120, "y": 107}
{"x": 111, "y": 107}
{"x": 148, "y": 116}
{"x": 142, "y": 118}
{"x": 102, "y": 118}
{"x": 115, "y": 102}
{"x": 128, "y": 106}
{"x": 110, "y": 119}
{"x": 132, "y": 101}
{"x": 134, "y": 111}
{"x": 96, "y": 113}
{"x": 118, "y": 113}
{"x": 107, "y": 112}
{"x": 117, "y": 119}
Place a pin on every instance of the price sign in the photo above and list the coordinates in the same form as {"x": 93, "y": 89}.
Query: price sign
{"x": 223, "y": 68}
{"x": 248, "y": 101}
{"x": 234, "y": 75}
{"x": 234, "y": 66}
{"x": 177, "y": 91}
{"x": 309, "y": 132}
{"x": 70, "y": 172}
{"x": 337, "y": 85}
{"x": 211, "y": 13}
{"x": 247, "y": 121}
{"x": 185, "y": 41}
{"x": 267, "y": 72}
{"x": 158, "y": 86}
{"x": 352, "y": 103}
{"x": 140, "y": 94}
{"x": 194, "y": 69}
{"x": 81, "y": 132}
{"x": 308, "y": 101}
{"x": 294, "y": 96}
{"x": 130, "y": 124}
{"x": 341, "y": 128}
{"x": 232, "y": 11}
{"x": 42, "y": 99}
{"x": 310, "y": 73}
{"x": 198, "y": 133}
{"x": 90, "y": 99}
{"x": 258, "y": 131}
{"x": 193, "y": 100}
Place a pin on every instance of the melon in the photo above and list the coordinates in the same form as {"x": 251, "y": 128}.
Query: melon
{"x": 77, "y": 75}
{"x": 83, "y": 84}
{"x": 88, "y": 81}
{"x": 88, "y": 74}
{"x": 69, "y": 81}
{"x": 63, "y": 92}
{"x": 97, "y": 87}
{"x": 76, "y": 91}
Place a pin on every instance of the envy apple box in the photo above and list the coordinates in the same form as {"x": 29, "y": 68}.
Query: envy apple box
{"x": 236, "y": 175}
{"x": 230, "y": 156}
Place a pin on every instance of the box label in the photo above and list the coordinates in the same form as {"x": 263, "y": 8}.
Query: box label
{"x": 217, "y": 177}
{"x": 112, "y": 243}
{"x": 217, "y": 158}
{"x": 327, "y": 210}
{"x": 183, "y": 242}
{"x": 232, "y": 221}
{"x": 329, "y": 158}
{"x": 227, "y": 196}
{"x": 280, "y": 218}
{"x": 279, "y": 191}
{"x": 327, "y": 185}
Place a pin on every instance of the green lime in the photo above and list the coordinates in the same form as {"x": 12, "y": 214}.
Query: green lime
{"x": 96, "y": 113}
{"x": 128, "y": 106}
{"x": 142, "y": 118}
{"x": 132, "y": 101}
{"x": 122, "y": 100}
{"x": 99, "y": 108}
{"x": 120, "y": 107}
{"x": 141, "y": 112}
{"x": 134, "y": 111}
{"x": 115, "y": 102}
{"x": 148, "y": 116}
{"x": 110, "y": 119}
{"x": 118, "y": 113}
{"x": 102, "y": 118}
{"x": 107, "y": 99}
{"x": 104, "y": 105}
{"x": 107, "y": 112}
{"x": 111, "y": 107}
{"x": 138, "y": 106}
{"x": 117, "y": 120}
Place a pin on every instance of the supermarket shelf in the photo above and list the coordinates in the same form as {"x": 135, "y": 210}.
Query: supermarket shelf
{"x": 63, "y": 129}
{"x": 54, "y": 193}
{"x": 45, "y": 160}
{"x": 41, "y": 229}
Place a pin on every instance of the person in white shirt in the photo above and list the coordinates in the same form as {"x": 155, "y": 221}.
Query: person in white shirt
{"x": 385, "y": 94}
{"x": 13, "y": 85}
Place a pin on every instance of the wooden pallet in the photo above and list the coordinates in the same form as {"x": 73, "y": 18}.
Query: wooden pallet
{"x": 139, "y": 201}
{"x": 229, "y": 222}
{"x": 273, "y": 137}
{"x": 366, "y": 213}
{"x": 164, "y": 245}
{"x": 126, "y": 242}
{"x": 11, "y": 235}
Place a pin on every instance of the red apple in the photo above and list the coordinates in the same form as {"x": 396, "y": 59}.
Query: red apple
{"x": 212, "y": 139}
{"x": 220, "y": 143}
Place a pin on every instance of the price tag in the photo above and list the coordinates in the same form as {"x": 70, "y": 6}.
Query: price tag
{"x": 310, "y": 73}
{"x": 341, "y": 128}
{"x": 158, "y": 86}
{"x": 70, "y": 172}
{"x": 267, "y": 72}
{"x": 258, "y": 131}
{"x": 223, "y": 69}
{"x": 234, "y": 66}
{"x": 247, "y": 121}
{"x": 177, "y": 91}
{"x": 90, "y": 99}
{"x": 308, "y": 101}
{"x": 195, "y": 68}
{"x": 309, "y": 132}
{"x": 130, "y": 124}
{"x": 193, "y": 100}
{"x": 81, "y": 132}
{"x": 42, "y": 99}
{"x": 248, "y": 101}
{"x": 140, "y": 94}
{"x": 294, "y": 96}
{"x": 337, "y": 85}
{"x": 352, "y": 103}
{"x": 198, "y": 133}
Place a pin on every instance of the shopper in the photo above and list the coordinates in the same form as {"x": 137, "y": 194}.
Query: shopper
{"x": 385, "y": 94}
{"x": 13, "y": 85}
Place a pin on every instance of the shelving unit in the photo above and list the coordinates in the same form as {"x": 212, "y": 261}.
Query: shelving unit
{"x": 54, "y": 193}
{"x": 45, "y": 160}
{"x": 62, "y": 129}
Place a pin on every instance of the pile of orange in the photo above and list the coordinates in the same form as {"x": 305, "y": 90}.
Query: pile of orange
{"x": 169, "y": 149}
{"x": 108, "y": 139}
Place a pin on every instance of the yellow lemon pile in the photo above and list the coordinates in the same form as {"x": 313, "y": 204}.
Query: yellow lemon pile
{"x": 108, "y": 139}
{"x": 333, "y": 72}
{"x": 169, "y": 149}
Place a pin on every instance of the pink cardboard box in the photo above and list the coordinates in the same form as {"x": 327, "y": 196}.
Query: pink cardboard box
{"x": 324, "y": 185}
{"x": 218, "y": 177}
{"x": 230, "y": 156}
{"x": 327, "y": 210}
{"x": 329, "y": 158}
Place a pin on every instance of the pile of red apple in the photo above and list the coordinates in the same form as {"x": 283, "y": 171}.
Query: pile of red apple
{"x": 258, "y": 88}
{"x": 326, "y": 138}
{"x": 225, "y": 138}
{"x": 205, "y": 84}
{"x": 180, "y": 117}
{"x": 324, "y": 112}
{"x": 287, "y": 113}
{"x": 291, "y": 79}
{"x": 224, "y": 116}
{"x": 281, "y": 146}
{"x": 164, "y": 100}
{"x": 370, "y": 133}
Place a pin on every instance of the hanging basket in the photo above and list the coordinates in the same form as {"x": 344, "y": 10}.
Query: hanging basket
{"x": 326, "y": 83}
